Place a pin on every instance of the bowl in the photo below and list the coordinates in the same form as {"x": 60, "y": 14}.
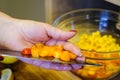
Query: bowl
{"x": 95, "y": 28}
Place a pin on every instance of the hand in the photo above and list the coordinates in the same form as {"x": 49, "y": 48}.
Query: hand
{"x": 19, "y": 34}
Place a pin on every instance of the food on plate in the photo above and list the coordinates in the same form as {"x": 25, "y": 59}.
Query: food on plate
{"x": 41, "y": 50}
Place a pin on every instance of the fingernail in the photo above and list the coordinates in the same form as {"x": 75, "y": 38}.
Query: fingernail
{"x": 73, "y": 30}
{"x": 80, "y": 59}
{"x": 80, "y": 55}
{"x": 1, "y": 58}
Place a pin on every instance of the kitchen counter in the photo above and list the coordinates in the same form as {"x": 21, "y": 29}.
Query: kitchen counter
{"x": 23, "y": 71}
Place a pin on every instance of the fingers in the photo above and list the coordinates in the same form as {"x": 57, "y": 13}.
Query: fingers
{"x": 76, "y": 66}
{"x": 72, "y": 48}
{"x": 66, "y": 45}
{"x": 57, "y": 33}
{"x": 51, "y": 65}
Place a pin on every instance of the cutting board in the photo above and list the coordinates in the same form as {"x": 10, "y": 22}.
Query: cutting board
{"x": 23, "y": 71}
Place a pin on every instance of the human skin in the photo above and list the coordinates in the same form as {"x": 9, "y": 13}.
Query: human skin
{"x": 17, "y": 34}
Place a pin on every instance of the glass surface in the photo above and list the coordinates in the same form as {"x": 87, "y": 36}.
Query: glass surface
{"x": 88, "y": 21}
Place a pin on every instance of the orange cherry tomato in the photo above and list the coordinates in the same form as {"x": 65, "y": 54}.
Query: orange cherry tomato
{"x": 41, "y": 50}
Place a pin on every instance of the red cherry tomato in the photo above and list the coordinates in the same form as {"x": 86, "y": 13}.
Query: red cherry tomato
{"x": 26, "y": 52}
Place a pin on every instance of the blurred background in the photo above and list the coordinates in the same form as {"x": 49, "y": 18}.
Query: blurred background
{"x": 48, "y": 10}
{"x": 24, "y": 9}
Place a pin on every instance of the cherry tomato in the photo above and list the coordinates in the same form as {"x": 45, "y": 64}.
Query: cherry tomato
{"x": 26, "y": 52}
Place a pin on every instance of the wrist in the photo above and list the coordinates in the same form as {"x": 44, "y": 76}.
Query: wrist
{"x": 5, "y": 22}
{"x": 4, "y": 18}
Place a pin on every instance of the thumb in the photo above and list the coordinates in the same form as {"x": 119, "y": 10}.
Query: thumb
{"x": 58, "y": 34}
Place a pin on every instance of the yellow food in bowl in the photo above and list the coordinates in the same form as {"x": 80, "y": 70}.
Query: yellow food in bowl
{"x": 100, "y": 49}
{"x": 97, "y": 42}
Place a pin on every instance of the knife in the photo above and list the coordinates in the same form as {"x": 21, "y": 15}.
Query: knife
{"x": 17, "y": 54}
